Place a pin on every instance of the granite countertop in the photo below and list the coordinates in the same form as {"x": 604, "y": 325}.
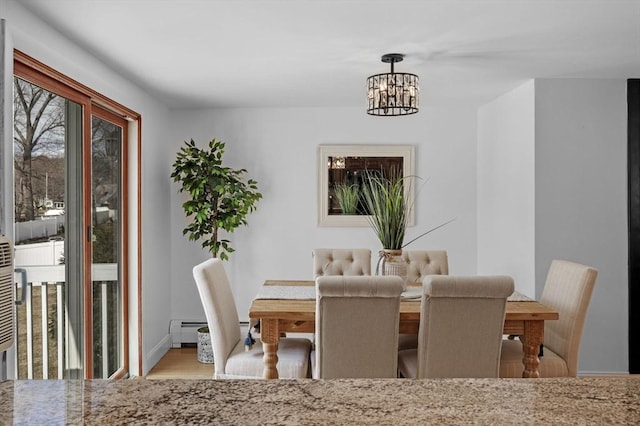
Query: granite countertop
{"x": 610, "y": 400}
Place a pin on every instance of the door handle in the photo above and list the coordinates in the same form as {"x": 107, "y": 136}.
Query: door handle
{"x": 23, "y": 281}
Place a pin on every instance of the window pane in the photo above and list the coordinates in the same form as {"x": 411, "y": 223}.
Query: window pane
{"x": 47, "y": 131}
{"x": 106, "y": 148}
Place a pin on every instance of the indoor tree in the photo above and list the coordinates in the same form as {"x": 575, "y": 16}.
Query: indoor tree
{"x": 219, "y": 197}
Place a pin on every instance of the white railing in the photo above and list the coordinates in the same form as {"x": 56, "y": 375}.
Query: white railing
{"x": 45, "y": 278}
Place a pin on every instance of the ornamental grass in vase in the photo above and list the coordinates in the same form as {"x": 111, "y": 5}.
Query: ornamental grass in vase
{"x": 389, "y": 207}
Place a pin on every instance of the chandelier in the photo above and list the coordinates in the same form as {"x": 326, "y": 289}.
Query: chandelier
{"x": 392, "y": 94}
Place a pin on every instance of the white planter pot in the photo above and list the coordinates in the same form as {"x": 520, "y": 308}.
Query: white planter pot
{"x": 205, "y": 350}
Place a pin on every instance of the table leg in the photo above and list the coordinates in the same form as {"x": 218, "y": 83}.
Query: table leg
{"x": 270, "y": 335}
{"x": 532, "y": 339}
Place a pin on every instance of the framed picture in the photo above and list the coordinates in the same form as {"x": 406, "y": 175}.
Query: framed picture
{"x": 343, "y": 167}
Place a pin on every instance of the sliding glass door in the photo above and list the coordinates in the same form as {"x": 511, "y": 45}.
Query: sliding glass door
{"x": 70, "y": 233}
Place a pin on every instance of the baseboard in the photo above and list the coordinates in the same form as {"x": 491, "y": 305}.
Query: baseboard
{"x": 602, "y": 373}
{"x": 156, "y": 354}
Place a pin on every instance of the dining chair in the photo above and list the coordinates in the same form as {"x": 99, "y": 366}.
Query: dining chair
{"x": 421, "y": 263}
{"x": 357, "y": 321}
{"x": 229, "y": 355}
{"x": 460, "y": 333}
{"x": 425, "y": 262}
{"x": 567, "y": 290}
{"x": 334, "y": 261}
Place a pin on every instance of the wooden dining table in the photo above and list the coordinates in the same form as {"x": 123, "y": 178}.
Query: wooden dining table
{"x": 293, "y": 315}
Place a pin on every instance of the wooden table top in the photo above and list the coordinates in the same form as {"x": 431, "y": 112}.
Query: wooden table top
{"x": 304, "y": 310}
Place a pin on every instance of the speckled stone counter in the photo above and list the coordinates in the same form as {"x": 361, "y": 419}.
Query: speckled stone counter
{"x": 612, "y": 400}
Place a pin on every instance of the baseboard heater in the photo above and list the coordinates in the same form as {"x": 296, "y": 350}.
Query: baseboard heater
{"x": 185, "y": 332}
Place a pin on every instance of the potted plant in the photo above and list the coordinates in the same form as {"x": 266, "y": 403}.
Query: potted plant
{"x": 219, "y": 197}
{"x": 388, "y": 208}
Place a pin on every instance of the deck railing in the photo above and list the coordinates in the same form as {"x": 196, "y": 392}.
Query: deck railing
{"x": 42, "y": 320}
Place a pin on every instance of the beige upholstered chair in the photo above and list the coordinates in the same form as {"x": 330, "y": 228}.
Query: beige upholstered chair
{"x": 425, "y": 262}
{"x": 568, "y": 290}
{"x": 461, "y": 322}
{"x": 327, "y": 261}
{"x": 357, "y": 322}
{"x": 230, "y": 358}
{"x": 420, "y": 264}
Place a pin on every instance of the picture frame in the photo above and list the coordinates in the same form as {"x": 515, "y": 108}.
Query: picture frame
{"x": 343, "y": 163}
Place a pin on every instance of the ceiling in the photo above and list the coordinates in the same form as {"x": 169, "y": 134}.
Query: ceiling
{"x": 279, "y": 53}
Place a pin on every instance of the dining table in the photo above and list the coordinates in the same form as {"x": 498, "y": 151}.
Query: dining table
{"x": 289, "y": 306}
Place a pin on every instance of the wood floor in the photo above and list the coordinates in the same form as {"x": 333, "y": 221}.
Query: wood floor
{"x": 181, "y": 363}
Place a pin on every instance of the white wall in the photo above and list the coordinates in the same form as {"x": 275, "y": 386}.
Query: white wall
{"x": 580, "y": 188}
{"x": 279, "y": 149}
{"x": 506, "y": 153}
{"x": 38, "y": 40}
{"x": 581, "y": 203}
{"x": 565, "y": 139}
